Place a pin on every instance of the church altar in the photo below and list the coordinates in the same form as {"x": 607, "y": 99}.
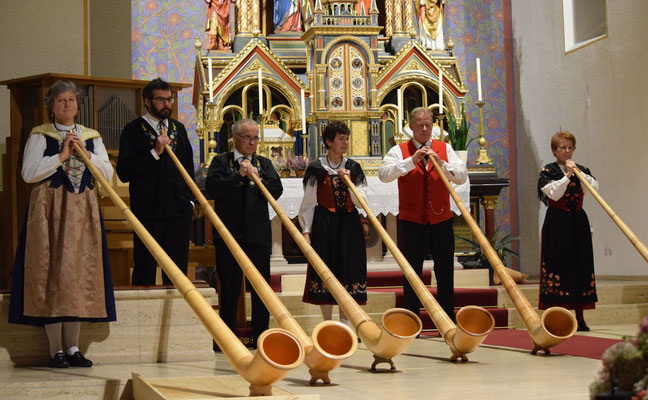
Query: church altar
{"x": 382, "y": 197}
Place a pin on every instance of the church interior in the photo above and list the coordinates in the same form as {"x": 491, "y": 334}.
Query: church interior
{"x": 507, "y": 73}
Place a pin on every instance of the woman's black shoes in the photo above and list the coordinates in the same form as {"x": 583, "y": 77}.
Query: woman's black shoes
{"x": 59, "y": 361}
{"x": 582, "y": 327}
{"x": 78, "y": 360}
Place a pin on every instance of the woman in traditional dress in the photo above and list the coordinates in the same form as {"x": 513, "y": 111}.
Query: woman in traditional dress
{"x": 566, "y": 259}
{"x": 331, "y": 223}
{"x": 61, "y": 272}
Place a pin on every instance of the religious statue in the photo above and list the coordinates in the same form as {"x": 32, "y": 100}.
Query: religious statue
{"x": 287, "y": 15}
{"x": 218, "y": 24}
{"x": 430, "y": 23}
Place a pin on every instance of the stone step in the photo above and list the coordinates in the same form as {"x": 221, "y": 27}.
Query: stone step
{"x": 606, "y": 314}
{"x": 609, "y": 292}
{"x": 463, "y": 278}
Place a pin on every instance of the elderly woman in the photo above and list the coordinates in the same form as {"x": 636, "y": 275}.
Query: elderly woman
{"x": 566, "y": 259}
{"x": 61, "y": 272}
{"x": 330, "y": 221}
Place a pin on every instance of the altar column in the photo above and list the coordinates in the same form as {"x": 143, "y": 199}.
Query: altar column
{"x": 277, "y": 256}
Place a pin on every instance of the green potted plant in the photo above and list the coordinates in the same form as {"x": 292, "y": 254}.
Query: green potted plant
{"x": 501, "y": 244}
{"x": 458, "y": 135}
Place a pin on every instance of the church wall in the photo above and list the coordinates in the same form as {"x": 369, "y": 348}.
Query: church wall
{"x": 598, "y": 94}
{"x": 110, "y": 38}
{"x": 38, "y": 37}
{"x": 162, "y": 39}
{"x": 479, "y": 29}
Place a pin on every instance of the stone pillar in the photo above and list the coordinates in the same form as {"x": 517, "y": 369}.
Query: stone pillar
{"x": 277, "y": 256}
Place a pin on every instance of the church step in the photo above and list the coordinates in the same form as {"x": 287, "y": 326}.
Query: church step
{"x": 606, "y": 314}
{"x": 609, "y": 292}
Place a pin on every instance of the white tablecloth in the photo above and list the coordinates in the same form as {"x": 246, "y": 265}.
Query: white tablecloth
{"x": 383, "y": 197}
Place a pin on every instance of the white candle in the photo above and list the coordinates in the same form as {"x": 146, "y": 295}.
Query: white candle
{"x": 479, "y": 92}
{"x": 211, "y": 83}
{"x": 440, "y": 91}
{"x": 400, "y": 110}
{"x": 303, "y": 112}
{"x": 260, "y": 94}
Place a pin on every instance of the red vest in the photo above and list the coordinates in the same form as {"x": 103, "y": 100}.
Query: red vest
{"x": 325, "y": 196}
{"x": 422, "y": 196}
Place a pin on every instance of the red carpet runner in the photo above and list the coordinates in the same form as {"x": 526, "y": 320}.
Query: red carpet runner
{"x": 577, "y": 345}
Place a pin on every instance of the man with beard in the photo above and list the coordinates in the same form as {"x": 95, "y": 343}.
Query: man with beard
{"x": 159, "y": 197}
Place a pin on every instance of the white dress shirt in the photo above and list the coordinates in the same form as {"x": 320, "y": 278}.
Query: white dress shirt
{"x": 155, "y": 124}
{"x": 394, "y": 166}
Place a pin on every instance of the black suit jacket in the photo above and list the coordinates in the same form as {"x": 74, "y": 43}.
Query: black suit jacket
{"x": 238, "y": 201}
{"x": 157, "y": 190}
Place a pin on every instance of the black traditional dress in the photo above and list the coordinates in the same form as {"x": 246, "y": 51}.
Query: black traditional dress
{"x": 61, "y": 269}
{"x": 329, "y": 215}
{"x": 566, "y": 259}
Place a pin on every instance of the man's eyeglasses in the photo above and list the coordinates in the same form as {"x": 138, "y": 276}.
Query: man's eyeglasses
{"x": 249, "y": 138}
{"x": 169, "y": 100}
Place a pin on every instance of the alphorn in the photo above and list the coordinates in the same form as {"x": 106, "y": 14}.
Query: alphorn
{"x": 474, "y": 323}
{"x": 638, "y": 244}
{"x": 556, "y": 323}
{"x": 278, "y": 351}
{"x": 333, "y": 342}
{"x": 399, "y": 326}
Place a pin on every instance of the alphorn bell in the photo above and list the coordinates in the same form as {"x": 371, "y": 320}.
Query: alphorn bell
{"x": 475, "y": 323}
{"x": 399, "y": 326}
{"x": 278, "y": 351}
{"x": 333, "y": 342}
{"x": 638, "y": 244}
{"x": 556, "y": 323}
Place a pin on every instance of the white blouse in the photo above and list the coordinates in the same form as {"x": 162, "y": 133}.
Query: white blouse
{"x": 556, "y": 189}
{"x": 37, "y": 167}
{"x": 309, "y": 202}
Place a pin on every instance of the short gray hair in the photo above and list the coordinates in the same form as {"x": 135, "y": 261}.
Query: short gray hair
{"x": 238, "y": 125}
{"x": 54, "y": 91}
{"x": 419, "y": 110}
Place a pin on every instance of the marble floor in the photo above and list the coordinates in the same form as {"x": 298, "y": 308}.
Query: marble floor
{"x": 423, "y": 372}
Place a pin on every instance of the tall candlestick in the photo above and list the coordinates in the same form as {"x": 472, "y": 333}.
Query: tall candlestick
{"x": 211, "y": 83}
{"x": 440, "y": 91}
{"x": 399, "y": 101}
{"x": 260, "y": 94}
{"x": 479, "y": 92}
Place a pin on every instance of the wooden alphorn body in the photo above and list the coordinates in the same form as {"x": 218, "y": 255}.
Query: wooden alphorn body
{"x": 474, "y": 323}
{"x": 333, "y": 342}
{"x": 556, "y": 323}
{"x": 399, "y": 326}
{"x": 638, "y": 244}
{"x": 278, "y": 352}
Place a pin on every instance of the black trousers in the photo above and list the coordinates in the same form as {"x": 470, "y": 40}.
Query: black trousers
{"x": 173, "y": 235}
{"x": 438, "y": 239}
{"x": 231, "y": 276}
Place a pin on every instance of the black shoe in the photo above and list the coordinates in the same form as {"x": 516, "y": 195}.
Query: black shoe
{"x": 58, "y": 361}
{"x": 78, "y": 360}
{"x": 582, "y": 327}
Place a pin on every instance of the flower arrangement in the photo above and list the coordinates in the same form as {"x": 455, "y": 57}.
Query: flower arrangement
{"x": 281, "y": 166}
{"x": 625, "y": 368}
{"x": 298, "y": 163}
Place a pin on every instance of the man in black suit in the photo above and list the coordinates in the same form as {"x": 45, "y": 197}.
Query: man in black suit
{"x": 159, "y": 197}
{"x": 244, "y": 211}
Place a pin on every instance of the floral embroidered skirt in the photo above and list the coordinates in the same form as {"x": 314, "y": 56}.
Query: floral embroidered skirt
{"x": 567, "y": 261}
{"x": 338, "y": 238}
